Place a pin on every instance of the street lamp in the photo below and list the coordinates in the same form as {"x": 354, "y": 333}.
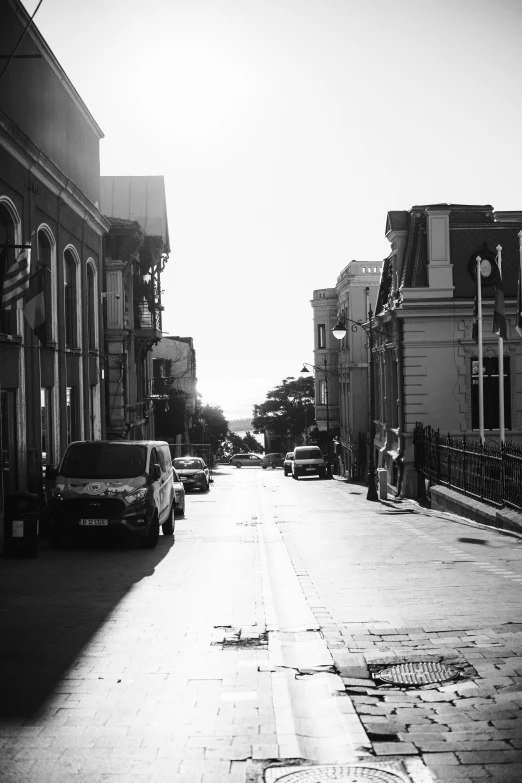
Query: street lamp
{"x": 326, "y": 374}
{"x": 339, "y": 331}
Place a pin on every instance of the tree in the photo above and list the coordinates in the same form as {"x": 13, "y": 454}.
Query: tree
{"x": 235, "y": 444}
{"x": 288, "y": 410}
{"x": 215, "y": 425}
{"x": 252, "y": 444}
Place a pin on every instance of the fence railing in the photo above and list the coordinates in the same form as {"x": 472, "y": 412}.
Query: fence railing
{"x": 487, "y": 472}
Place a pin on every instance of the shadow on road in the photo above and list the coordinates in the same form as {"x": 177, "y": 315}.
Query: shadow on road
{"x": 52, "y": 606}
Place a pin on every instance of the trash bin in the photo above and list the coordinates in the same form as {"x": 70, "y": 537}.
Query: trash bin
{"x": 21, "y": 517}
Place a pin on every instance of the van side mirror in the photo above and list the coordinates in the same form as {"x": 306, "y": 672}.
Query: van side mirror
{"x": 155, "y": 472}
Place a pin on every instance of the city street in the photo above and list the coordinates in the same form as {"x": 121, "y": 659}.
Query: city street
{"x": 250, "y": 646}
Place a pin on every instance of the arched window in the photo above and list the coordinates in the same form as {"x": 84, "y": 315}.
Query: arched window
{"x": 92, "y": 310}
{"x": 7, "y": 257}
{"x": 70, "y": 300}
{"x": 45, "y": 261}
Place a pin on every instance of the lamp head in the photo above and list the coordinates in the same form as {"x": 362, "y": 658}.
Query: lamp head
{"x": 305, "y": 369}
{"x": 339, "y": 330}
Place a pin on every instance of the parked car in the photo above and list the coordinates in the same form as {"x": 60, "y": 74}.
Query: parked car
{"x": 179, "y": 494}
{"x": 245, "y": 460}
{"x": 308, "y": 461}
{"x": 272, "y": 461}
{"x": 123, "y": 487}
{"x": 287, "y": 464}
{"x": 193, "y": 472}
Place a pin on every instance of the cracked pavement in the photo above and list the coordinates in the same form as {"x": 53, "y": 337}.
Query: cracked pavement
{"x": 253, "y": 644}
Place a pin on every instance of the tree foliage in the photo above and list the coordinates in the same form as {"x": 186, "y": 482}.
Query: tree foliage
{"x": 288, "y": 410}
{"x": 216, "y": 425}
{"x": 235, "y": 444}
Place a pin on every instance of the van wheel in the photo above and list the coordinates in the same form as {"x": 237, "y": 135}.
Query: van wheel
{"x": 238, "y": 464}
{"x": 151, "y": 539}
{"x": 168, "y": 526}
{"x": 264, "y": 467}
{"x": 295, "y": 476}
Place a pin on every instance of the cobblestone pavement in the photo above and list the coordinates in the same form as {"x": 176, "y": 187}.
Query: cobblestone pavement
{"x": 391, "y": 583}
{"x": 188, "y": 663}
{"x": 113, "y": 661}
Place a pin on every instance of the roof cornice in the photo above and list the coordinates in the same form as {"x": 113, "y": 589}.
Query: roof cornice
{"x": 42, "y": 167}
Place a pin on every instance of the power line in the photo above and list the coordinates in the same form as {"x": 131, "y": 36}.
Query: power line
{"x": 6, "y": 66}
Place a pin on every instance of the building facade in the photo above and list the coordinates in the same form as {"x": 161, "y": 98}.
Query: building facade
{"x": 425, "y": 356}
{"x": 135, "y": 253}
{"x": 175, "y": 389}
{"x": 344, "y": 379}
{"x": 50, "y": 365}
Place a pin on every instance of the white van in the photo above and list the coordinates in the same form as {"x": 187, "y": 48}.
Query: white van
{"x": 121, "y": 487}
{"x": 308, "y": 461}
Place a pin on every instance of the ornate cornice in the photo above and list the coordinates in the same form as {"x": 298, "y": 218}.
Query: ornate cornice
{"x": 49, "y": 174}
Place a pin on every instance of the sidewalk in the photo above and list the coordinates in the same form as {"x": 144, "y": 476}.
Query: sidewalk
{"x": 410, "y": 585}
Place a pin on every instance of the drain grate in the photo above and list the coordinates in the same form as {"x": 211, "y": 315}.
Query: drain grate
{"x": 418, "y": 673}
{"x": 351, "y": 773}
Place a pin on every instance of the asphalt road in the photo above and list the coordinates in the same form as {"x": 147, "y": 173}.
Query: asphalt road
{"x": 252, "y": 645}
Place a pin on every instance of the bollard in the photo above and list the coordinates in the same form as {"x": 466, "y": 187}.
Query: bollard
{"x": 383, "y": 483}
{"x": 21, "y": 517}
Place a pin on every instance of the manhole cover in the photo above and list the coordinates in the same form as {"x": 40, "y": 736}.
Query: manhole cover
{"x": 419, "y": 673}
{"x": 352, "y": 773}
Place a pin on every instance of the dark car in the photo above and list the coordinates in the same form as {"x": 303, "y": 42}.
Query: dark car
{"x": 287, "y": 464}
{"x": 272, "y": 461}
{"x": 193, "y": 472}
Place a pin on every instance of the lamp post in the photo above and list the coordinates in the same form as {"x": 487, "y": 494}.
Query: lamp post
{"x": 339, "y": 331}
{"x": 326, "y": 373}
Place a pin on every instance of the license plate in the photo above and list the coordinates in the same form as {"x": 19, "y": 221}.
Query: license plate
{"x": 94, "y": 522}
{"x": 310, "y": 468}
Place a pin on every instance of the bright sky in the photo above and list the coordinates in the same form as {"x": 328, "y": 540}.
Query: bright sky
{"x": 286, "y": 130}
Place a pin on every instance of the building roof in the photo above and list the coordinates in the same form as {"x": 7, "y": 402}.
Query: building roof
{"x": 34, "y": 33}
{"x": 471, "y": 228}
{"x": 140, "y": 199}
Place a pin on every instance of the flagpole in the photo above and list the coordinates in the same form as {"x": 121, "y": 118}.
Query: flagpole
{"x": 501, "y": 365}
{"x": 481, "y": 369}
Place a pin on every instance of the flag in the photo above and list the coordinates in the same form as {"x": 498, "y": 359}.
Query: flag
{"x": 474, "y": 331}
{"x": 518, "y": 326}
{"x": 499, "y": 314}
{"x": 16, "y": 281}
{"x": 34, "y": 309}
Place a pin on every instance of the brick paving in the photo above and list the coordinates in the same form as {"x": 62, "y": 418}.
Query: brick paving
{"x": 390, "y": 588}
{"x": 131, "y": 665}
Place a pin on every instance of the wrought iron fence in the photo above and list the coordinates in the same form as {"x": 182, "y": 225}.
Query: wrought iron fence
{"x": 487, "y": 472}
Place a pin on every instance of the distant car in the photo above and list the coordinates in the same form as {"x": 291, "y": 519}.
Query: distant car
{"x": 245, "y": 460}
{"x": 308, "y": 461}
{"x": 287, "y": 464}
{"x": 193, "y": 472}
{"x": 272, "y": 461}
{"x": 179, "y": 494}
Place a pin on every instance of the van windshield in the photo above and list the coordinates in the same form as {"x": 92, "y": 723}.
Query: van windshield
{"x": 309, "y": 454}
{"x": 98, "y": 459}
